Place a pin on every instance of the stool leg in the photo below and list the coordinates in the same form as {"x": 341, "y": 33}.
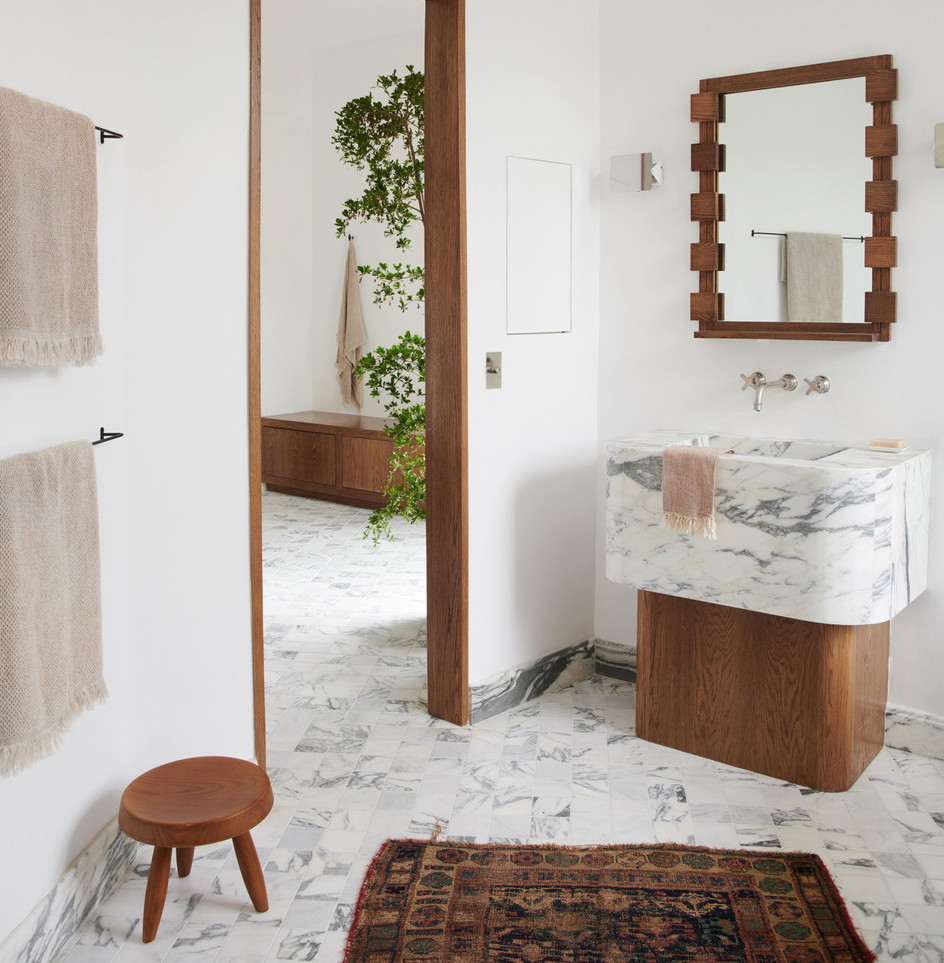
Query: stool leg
{"x": 184, "y": 860}
{"x": 251, "y": 870}
{"x": 156, "y": 892}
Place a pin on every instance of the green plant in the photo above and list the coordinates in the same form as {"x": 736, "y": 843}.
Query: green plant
{"x": 398, "y": 374}
{"x": 384, "y": 136}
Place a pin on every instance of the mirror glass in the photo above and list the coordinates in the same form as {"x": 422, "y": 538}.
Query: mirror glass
{"x": 794, "y": 162}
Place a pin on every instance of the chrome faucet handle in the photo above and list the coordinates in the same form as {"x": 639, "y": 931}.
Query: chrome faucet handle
{"x": 753, "y": 380}
{"x": 820, "y": 384}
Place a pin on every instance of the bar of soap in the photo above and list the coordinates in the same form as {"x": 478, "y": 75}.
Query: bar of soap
{"x": 888, "y": 444}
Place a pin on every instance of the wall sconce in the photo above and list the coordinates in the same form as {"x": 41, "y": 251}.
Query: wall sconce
{"x": 939, "y": 145}
{"x": 634, "y": 172}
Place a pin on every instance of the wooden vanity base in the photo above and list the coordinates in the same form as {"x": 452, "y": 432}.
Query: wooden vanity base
{"x": 799, "y": 701}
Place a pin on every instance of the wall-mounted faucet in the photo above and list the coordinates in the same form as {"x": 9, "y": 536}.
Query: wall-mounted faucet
{"x": 758, "y": 382}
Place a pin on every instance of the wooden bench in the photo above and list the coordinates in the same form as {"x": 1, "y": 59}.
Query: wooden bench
{"x": 321, "y": 454}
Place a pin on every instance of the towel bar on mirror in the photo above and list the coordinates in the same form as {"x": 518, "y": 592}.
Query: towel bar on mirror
{"x": 783, "y": 234}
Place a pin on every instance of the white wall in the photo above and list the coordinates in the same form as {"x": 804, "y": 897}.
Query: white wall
{"x": 532, "y": 91}
{"x": 654, "y": 373}
{"x": 171, "y": 76}
{"x": 308, "y": 75}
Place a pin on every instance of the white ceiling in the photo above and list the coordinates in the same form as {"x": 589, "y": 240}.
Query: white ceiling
{"x": 331, "y": 22}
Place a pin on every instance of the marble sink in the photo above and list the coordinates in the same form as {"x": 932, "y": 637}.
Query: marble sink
{"x": 818, "y": 531}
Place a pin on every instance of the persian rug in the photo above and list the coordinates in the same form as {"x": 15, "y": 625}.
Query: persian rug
{"x": 444, "y": 902}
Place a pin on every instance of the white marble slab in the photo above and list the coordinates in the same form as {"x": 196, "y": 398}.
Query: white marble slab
{"x": 810, "y": 530}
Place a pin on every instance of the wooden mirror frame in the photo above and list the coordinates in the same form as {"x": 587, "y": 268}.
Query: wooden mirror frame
{"x": 881, "y": 199}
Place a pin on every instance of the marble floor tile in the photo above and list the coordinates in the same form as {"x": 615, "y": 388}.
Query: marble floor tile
{"x": 354, "y": 759}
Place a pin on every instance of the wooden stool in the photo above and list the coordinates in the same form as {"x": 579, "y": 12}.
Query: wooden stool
{"x": 193, "y": 802}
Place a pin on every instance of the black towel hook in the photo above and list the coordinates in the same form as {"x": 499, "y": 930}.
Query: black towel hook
{"x": 104, "y": 436}
{"x": 104, "y": 132}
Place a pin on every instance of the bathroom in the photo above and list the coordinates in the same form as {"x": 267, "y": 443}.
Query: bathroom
{"x": 598, "y": 80}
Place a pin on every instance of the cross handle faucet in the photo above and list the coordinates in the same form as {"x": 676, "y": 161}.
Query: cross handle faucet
{"x": 758, "y": 382}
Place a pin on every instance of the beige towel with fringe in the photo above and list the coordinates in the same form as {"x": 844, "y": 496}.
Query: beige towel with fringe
{"x": 811, "y": 264}
{"x": 351, "y": 333}
{"x": 50, "y": 599}
{"x": 688, "y": 489}
{"x": 48, "y": 234}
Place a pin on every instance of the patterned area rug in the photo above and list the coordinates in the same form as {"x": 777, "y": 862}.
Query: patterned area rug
{"x": 445, "y": 902}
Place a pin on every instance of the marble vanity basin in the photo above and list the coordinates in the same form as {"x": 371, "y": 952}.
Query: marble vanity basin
{"x": 810, "y": 530}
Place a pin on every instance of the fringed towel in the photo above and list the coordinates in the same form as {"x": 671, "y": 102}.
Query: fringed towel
{"x": 351, "y": 333}
{"x": 50, "y": 599}
{"x": 688, "y": 489}
{"x": 48, "y": 234}
{"x": 812, "y": 267}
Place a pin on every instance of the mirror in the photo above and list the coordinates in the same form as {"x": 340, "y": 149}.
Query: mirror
{"x": 781, "y": 153}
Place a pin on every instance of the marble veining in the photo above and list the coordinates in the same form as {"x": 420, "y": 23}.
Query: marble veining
{"x": 523, "y": 683}
{"x": 807, "y": 530}
{"x": 88, "y": 882}
{"x": 566, "y": 766}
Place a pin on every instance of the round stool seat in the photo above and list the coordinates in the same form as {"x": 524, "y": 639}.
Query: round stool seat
{"x": 192, "y": 802}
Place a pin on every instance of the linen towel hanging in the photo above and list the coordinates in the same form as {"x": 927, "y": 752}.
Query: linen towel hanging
{"x": 351, "y": 333}
{"x": 50, "y": 599}
{"x": 48, "y": 234}
{"x": 688, "y": 489}
{"x": 812, "y": 267}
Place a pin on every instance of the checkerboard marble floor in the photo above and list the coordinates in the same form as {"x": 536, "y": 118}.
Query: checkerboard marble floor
{"x": 354, "y": 760}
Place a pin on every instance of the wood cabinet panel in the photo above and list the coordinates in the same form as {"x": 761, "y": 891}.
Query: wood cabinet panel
{"x": 365, "y": 463}
{"x": 304, "y": 455}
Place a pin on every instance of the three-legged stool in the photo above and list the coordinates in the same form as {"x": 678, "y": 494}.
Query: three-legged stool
{"x": 193, "y": 802}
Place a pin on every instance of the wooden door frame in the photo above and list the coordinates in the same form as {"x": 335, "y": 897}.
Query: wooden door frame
{"x": 447, "y": 554}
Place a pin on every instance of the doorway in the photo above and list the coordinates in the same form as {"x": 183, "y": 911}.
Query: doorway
{"x": 446, "y": 368}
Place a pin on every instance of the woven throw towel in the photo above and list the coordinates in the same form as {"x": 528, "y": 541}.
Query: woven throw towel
{"x": 811, "y": 264}
{"x": 50, "y": 599}
{"x": 48, "y": 234}
{"x": 688, "y": 489}
{"x": 351, "y": 333}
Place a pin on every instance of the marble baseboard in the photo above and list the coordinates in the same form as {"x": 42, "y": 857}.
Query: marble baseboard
{"x": 88, "y": 881}
{"x": 524, "y": 683}
{"x": 919, "y": 732}
{"x": 614, "y": 660}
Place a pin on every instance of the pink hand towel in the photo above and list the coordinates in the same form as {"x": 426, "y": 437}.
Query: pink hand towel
{"x": 688, "y": 489}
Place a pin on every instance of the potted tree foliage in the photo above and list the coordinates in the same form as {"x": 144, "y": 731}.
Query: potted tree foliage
{"x": 383, "y": 136}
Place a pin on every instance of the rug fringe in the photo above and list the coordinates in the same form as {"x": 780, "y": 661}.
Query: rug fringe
{"x": 437, "y": 829}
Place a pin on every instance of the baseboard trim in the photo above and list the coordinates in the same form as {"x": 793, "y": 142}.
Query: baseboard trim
{"x": 919, "y": 732}
{"x": 58, "y": 918}
{"x": 519, "y": 685}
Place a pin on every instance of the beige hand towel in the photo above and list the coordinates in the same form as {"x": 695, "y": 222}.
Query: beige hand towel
{"x": 811, "y": 264}
{"x": 50, "y": 599}
{"x": 688, "y": 489}
{"x": 48, "y": 234}
{"x": 351, "y": 333}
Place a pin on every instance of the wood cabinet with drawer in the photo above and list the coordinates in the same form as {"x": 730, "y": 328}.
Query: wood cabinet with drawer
{"x": 320, "y": 454}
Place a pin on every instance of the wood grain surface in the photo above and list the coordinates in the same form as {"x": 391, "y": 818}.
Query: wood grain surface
{"x": 447, "y": 534}
{"x": 796, "y": 700}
